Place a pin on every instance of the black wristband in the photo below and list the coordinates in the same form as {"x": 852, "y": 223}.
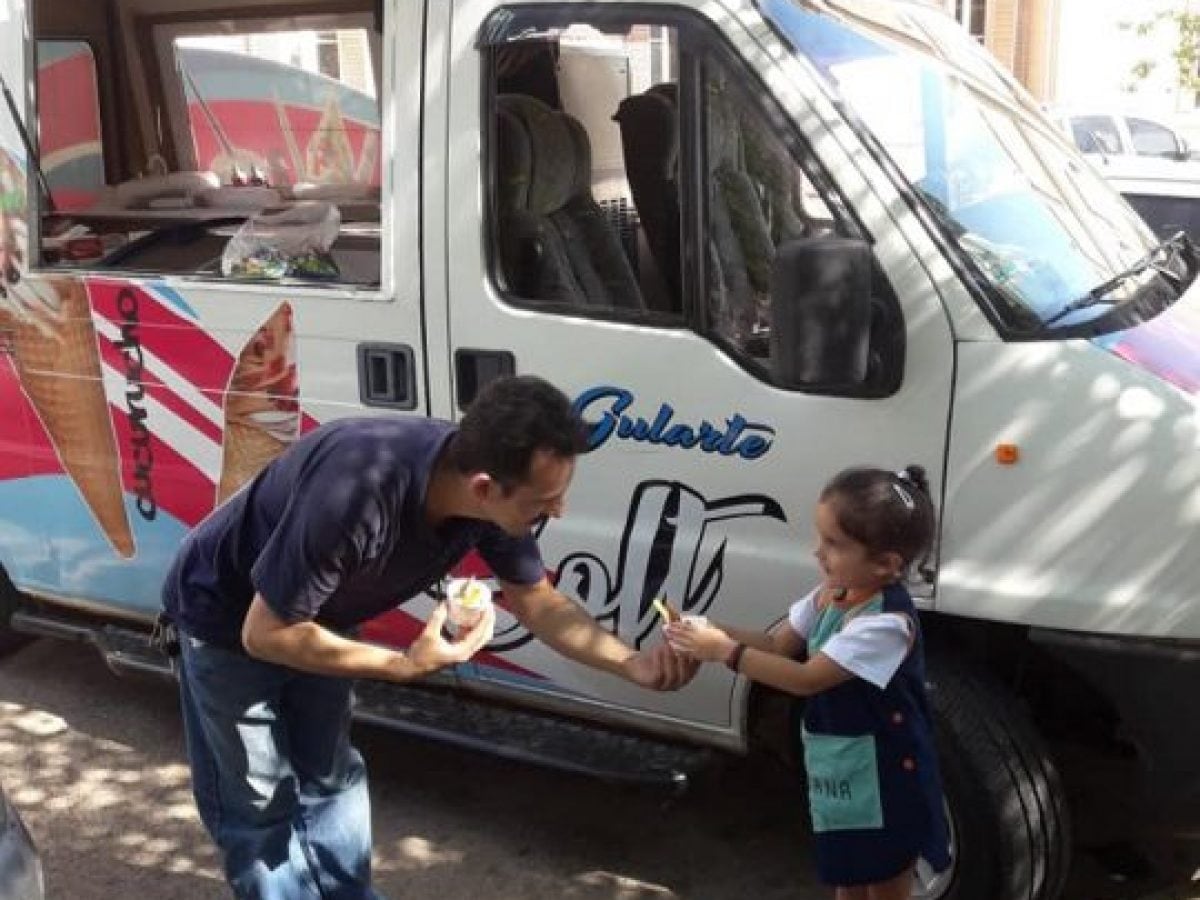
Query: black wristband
{"x": 734, "y": 660}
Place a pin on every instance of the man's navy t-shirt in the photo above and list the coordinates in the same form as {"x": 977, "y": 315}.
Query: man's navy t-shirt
{"x": 333, "y": 531}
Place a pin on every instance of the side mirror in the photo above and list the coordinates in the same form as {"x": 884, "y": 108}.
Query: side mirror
{"x": 821, "y": 313}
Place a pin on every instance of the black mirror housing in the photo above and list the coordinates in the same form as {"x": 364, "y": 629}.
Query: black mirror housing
{"x": 821, "y": 313}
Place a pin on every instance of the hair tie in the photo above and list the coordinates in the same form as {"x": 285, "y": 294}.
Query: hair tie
{"x": 904, "y": 496}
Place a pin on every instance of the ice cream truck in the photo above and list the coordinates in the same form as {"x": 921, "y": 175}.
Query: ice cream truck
{"x": 755, "y": 240}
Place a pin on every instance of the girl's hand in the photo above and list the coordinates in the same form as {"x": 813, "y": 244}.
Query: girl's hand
{"x": 706, "y": 642}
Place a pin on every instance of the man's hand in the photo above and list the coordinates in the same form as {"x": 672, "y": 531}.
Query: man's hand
{"x": 310, "y": 647}
{"x": 660, "y": 668}
{"x": 430, "y": 651}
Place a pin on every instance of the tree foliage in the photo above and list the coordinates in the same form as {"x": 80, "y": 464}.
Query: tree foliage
{"x": 1185, "y": 53}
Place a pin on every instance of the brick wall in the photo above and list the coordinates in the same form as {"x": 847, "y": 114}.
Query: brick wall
{"x": 1022, "y": 34}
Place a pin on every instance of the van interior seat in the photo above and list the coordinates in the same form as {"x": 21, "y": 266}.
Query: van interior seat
{"x": 740, "y": 236}
{"x": 741, "y": 247}
{"x": 650, "y": 144}
{"x": 779, "y": 184}
{"x": 555, "y": 243}
{"x": 739, "y": 250}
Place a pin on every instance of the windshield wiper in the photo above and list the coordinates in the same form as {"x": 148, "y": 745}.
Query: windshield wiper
{"x": 1100, "y": 292}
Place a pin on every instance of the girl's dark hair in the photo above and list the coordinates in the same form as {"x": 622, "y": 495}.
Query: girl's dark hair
{"x": 886, "y": 512}
{"x": 509, "y": 421}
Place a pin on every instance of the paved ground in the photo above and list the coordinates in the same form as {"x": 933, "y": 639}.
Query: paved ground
{"x": 95, "y": 764}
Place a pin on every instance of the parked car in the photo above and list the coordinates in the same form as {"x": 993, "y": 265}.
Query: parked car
{"x": 1114, "y": 134}
{"x": 20, "y": 865}
{"x": 1168, "y": 205}
{"x": 1147, "y": 161}
{"x": 1131, "y": 146}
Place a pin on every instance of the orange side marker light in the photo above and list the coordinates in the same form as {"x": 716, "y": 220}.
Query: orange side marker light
{"x": 1007, "y": 454}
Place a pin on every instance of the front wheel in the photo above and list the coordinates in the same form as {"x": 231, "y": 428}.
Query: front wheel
{"x": 1008, "y": 818}
{"x": 10, "y": 641}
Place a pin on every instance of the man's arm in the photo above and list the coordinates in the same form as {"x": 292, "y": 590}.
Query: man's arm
{"x": 313, "y": 648}
{"x": 564, "y": 626}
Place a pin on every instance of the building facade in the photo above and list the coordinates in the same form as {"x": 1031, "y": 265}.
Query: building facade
{"x": 1022, "y": 34}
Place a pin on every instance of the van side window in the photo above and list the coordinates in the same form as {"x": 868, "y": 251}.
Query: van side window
{"x": 69, "y": 123}
{"x": 635, "y": 173}
{"x": 249, "y": 149}
{"x": 765, "y": 197}
{"x": 758, "y": 197}
{"x": 585, "y": 147}
{"x": 285, "y": 108}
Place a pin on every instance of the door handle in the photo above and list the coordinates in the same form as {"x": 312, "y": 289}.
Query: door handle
{"x": 387, "y": 376}
{"x": 475, "y": 368}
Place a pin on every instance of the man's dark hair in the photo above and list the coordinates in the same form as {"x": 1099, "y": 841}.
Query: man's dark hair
{"x": 509, "y": 421}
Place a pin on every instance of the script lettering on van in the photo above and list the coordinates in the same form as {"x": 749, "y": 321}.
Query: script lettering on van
{"x": 737, "y": 437}
{"x": 674, "y": 544}
{"x": 130, "y": 346}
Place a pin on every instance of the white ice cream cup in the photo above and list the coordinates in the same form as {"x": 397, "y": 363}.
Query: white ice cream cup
{"x": 696, "y": 621}
{"x": 467, "y": 599}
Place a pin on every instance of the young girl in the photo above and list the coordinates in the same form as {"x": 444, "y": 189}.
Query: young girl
{"x": 853, "y": 647}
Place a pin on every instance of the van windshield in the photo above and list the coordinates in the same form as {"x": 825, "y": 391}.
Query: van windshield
{"x": 1035, "y": 222}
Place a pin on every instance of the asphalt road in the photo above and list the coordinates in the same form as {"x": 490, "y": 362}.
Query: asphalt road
{"x": 95, "y": 764}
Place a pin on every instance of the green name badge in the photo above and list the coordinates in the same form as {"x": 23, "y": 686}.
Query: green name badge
{"x": 843, "y": 782}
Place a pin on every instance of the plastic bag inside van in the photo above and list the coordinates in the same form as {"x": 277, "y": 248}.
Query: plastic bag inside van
{"x": 294, "y": 243}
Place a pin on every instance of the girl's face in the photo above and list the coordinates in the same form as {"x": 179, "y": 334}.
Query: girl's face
{"x": 844, "y": 561}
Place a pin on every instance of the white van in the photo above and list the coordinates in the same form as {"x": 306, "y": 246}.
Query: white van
{"x": 1122, "y": 134}
{"x": 757, "y": 240}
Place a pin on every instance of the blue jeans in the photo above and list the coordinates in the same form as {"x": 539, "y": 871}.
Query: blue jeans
{"x": 278, "y": 785}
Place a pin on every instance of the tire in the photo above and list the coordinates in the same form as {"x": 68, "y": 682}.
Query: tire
{"x": 1008, "y": 815}
{"x": 10, "y": 641}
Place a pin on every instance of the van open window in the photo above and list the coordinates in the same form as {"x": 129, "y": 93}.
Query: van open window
{"x": 283, "y": 108}
{"x": 584, "y": 168}
{"x": 635, "y": 172}
{"x": 244, "y": 145}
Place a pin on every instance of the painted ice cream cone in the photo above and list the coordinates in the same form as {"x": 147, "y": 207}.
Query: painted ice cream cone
{"x": 58, "y": 362}
{"x": 262, "y": 408}
{"x": 329, "y": 158}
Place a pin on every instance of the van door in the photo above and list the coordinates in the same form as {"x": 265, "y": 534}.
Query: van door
{"x": 242, "y": 277}
{"x": 634, "y": 181}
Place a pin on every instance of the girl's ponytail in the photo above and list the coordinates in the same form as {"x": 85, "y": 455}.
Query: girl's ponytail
{"x": 915, "y": 475}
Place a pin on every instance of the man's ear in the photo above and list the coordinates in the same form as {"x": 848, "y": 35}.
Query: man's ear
{"x": 481, "y": 485}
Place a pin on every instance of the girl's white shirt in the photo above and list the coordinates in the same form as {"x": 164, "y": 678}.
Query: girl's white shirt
{"x": 872, "y": 646}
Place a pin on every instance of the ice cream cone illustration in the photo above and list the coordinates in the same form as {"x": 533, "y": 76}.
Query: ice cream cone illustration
{"x": 262, "y": 409}
{"x": 329, "y": 158}
{"x": 58, "y": 362}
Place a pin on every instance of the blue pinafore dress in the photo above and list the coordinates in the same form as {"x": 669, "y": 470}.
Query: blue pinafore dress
{"x": 874, "y": 790}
